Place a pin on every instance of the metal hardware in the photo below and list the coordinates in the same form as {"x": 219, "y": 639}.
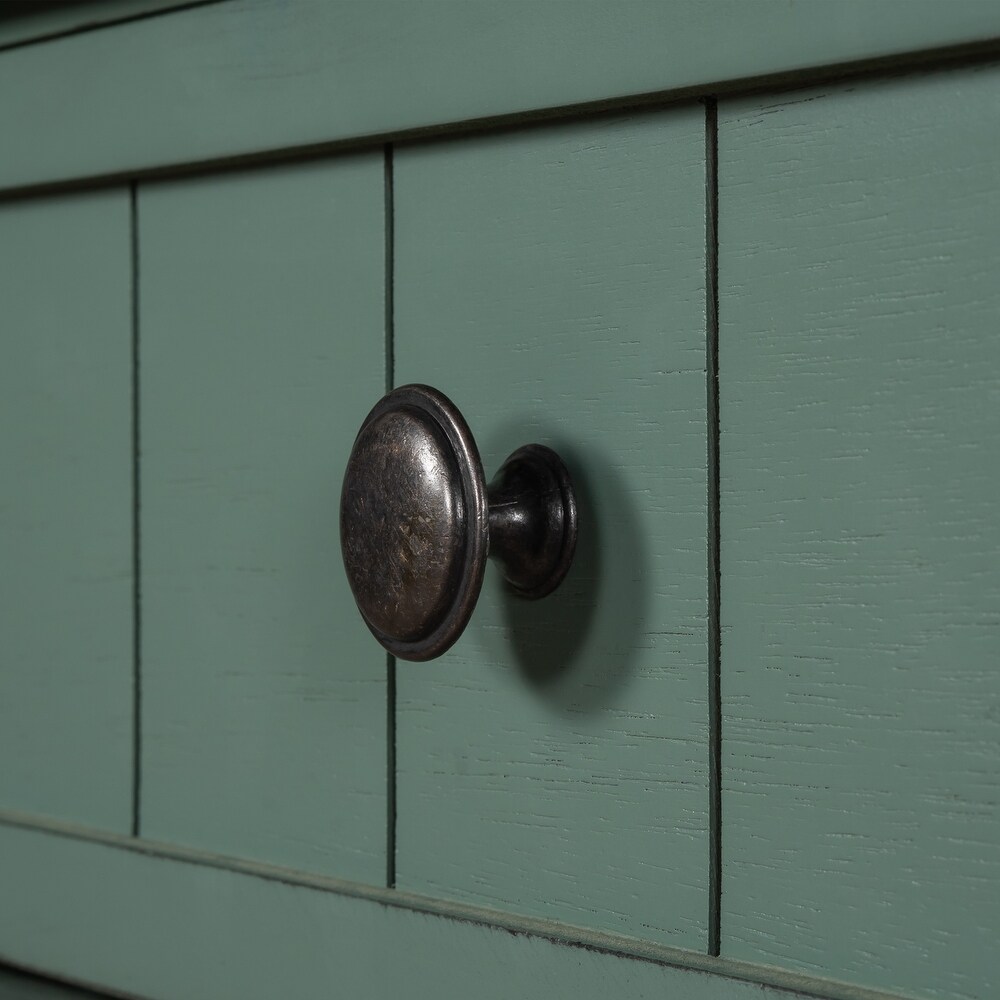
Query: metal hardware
{"x": 417, "y": 522}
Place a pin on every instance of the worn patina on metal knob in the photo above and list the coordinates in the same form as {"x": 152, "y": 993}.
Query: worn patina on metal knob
{"x": 417, "y": 522}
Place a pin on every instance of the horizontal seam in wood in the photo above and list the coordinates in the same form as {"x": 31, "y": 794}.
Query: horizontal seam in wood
{"x": 882, "y": 67}
{"x": 112, "y": 22}
{"x": 93, "y": 990}
{"x": 550, "y": 930}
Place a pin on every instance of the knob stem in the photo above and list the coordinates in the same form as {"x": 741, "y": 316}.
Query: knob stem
{"x": 532, "y": 520}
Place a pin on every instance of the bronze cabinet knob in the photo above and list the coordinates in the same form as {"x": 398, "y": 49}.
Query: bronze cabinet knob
{"x": 417, "y": 522}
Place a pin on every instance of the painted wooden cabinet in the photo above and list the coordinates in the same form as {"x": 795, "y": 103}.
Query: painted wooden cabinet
{"x": 737, "y": 263}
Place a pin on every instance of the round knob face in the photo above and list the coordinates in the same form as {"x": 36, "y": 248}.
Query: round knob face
{"x": 403, "y": 523}
{"x": 413, "y": 522}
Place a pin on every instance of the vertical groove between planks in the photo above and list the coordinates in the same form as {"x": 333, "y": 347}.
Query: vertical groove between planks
{"x": 136, "y": 550}
{"x": 714, "y": 582}
{"x": 390, "y": 660}
{"x": 390, "y": 840}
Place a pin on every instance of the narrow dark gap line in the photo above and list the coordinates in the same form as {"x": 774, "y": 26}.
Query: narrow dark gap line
{"x": 136, "y": 535}
{"x": 390, "y": 840}
{"x": 897, "y": 66}
{"x": 714, "y": 504}
{"x": 99, "y": 25}
{"x": 24, "y": 981}
{"x": 390, "y": 222}
{"x": 390, "y": 660}
{"x": 796, "y": 984}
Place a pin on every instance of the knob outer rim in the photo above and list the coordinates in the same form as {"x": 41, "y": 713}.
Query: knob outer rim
{"x": 437, "y": 407}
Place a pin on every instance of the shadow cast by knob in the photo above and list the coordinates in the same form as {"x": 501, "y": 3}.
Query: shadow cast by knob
{"x": 577, "y": 646}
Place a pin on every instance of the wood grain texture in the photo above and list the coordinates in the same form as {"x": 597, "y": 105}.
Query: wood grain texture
{"x": 860, "y": 415}
{"x": 65, "y": 509}
{"x": 555, "y": 761}
{"x": 250, "y": 75}
{"x": 102, "y": 915}
{"x": 261, "y": 337}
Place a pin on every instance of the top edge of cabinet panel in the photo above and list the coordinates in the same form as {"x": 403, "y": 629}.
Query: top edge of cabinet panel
{"x": 213, "y": 83}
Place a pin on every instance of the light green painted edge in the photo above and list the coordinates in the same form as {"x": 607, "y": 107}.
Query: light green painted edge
{"x": 248, "y": 77}
{"x": 558, "y": 933}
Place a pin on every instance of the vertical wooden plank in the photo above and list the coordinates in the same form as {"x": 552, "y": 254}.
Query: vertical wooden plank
{"x": 860, "y": 410}
{"x": 555, "y": 761}
{"x": 262, "y": 340}
{"x": 65, "y": 509}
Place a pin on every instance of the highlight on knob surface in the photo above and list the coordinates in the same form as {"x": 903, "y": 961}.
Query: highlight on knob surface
{"x": 417, "y": 522}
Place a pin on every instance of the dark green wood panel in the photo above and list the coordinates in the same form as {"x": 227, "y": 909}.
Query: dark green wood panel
{"x": 246, "y": 76}
{"x": 167, "y": 929}
{"x": 66, "y": 509}
{"x": 555, "y": 761}
{"x": 860, "y": 411}
{"x": 262, "y": 309}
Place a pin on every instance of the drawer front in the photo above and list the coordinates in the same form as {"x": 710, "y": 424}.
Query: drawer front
{"x": 263, "y": 696}
{"x": 66, "y": 659}
{"x": 252, "y": 938}
{"x": 555, "y": 762}
{"x": 860, "y": 416}
{"x": 755, "y": 731}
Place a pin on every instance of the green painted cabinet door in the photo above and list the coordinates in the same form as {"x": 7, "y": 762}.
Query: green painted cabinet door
{"x": 213, "y": 781}
{"x": 555, "y": 761}
{"x": 859, "y": 256}
{"x": 66, "y": 509}
{"x": 261, "y": 329}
